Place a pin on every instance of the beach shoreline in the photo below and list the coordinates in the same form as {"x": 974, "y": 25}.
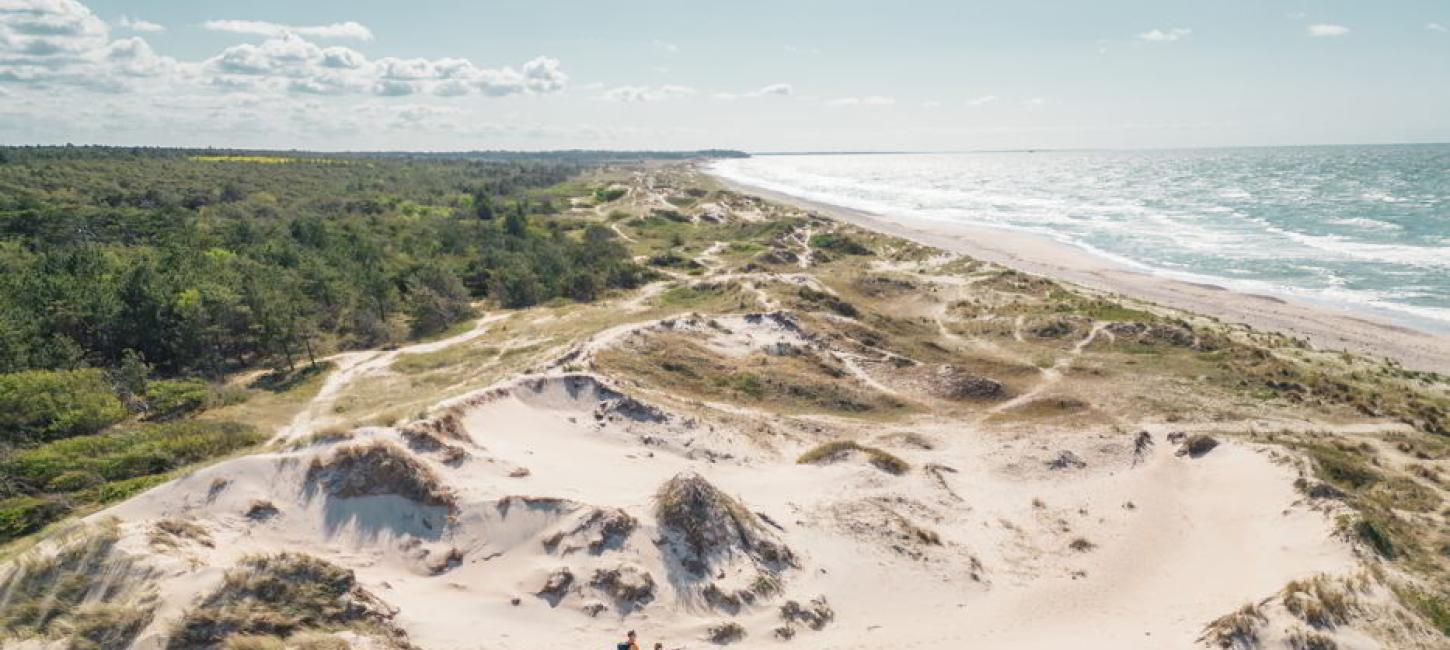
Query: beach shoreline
{"x": 1326, "y": 328}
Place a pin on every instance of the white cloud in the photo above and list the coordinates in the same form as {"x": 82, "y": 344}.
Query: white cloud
{"x": 347, "y": 29}
{"x": 796, "y": 49}
{"x": 294, "y": 64}
{"x": 870, "y": 100}
{"x": 645, "y": 93}
{"x": 931, "y": 104}
{"x": 1436, "y": 27}
{"x": 780, "y": 90}
{"x": 41, "y": 30}
{"x": 46, "y": 43}
{"x": 1328, "y": 30}
{"x": 399, "y": 88}
{"x": 662, "y": 45}
{"x": 542, "y": 75}
{"x": 981, "y": 101}
{"x": 1165, "y": 35}
{"x": 1034, "y": 103}
{"x": 134, "y": 57}
{"x": 138, "y": 25}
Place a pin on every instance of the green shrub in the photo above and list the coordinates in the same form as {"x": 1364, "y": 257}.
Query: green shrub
{"x": 74, "y": 481}
{"x": 39, "y": 405}
{"x": 830, "y": 301}
{"x": 122, "y": 490}
{"x": 1342, "y": 468}
{"x": 608, "y": 194}
{"x": 1434, "y": 607}
{"x": 169, "y": 398}
{"x": 107, "y": 467}
{"x": 670, "y": 215}
{"x": 130, "y": 452}
{"x": 839, "y": 244}
{"x": 1378, "y": 538}
{"x": 749, "y": 384}
{"x": 25, "y": 515}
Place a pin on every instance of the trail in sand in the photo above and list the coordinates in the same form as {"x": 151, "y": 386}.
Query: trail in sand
{"x": 352, "y": 365}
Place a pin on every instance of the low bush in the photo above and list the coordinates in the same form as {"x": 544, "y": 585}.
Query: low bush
{"x": 40, "y": 405}
{"x": 129, "y": 452}
{"x": 27, "y": 514}
{"x": 170, "y": 398}
{"x": 829, "y": 301}
{"x": 47, "y": 481}
{"x": 839, "y": 243}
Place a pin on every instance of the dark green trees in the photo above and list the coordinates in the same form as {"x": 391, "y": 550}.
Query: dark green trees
{"x": 203, "y": 266}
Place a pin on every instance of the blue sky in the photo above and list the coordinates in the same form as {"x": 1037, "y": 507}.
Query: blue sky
{"x": 782, "y": 75}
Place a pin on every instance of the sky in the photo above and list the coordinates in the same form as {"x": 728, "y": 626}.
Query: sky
{"x": 784, "y": 75}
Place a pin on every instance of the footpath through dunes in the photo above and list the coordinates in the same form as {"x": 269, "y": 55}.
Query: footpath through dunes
{"x": 860, "y": 443}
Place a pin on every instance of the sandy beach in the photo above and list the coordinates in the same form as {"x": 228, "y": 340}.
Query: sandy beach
{"x": 1324, "y": 327}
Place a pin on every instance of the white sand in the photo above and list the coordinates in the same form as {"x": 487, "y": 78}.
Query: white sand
{"x": 1204, "y": 536}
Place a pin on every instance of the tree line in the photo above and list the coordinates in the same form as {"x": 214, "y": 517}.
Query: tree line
{"x": 203, "y": 266}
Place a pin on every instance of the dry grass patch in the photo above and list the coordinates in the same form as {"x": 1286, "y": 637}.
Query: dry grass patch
{"x": 838, "y": 450}
{"x": 1319, "y": 601}
{"x": 173, "y": 532}
{"x": 1308, "y": 640}
{"x": 1239, "y": 629}
{"x": 798, "y": 383}
{"x": 280, "y": 596}
{"x": 723, "y": 633}
{"x": 378, "y": 468}
{"x": 705, "y": 527}
{"x": 85, "y": 592}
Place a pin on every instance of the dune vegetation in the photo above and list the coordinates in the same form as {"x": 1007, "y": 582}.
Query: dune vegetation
{"x": 738, "y": 422}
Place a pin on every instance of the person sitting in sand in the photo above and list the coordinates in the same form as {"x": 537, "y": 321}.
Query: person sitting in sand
{"x": 630, "y": 642}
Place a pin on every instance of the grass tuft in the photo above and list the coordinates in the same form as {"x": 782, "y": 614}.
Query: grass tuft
{"x": 279, "y": 596}
{"x": 837, "y": 450}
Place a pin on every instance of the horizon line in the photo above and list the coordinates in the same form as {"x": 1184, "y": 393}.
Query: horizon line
{"x": 797, "y": 152}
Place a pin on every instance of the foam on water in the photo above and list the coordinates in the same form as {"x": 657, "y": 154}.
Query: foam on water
{"x": 1366, "y": 228}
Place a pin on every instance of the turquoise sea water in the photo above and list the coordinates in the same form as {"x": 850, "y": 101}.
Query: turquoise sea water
{"x": 1363, "y": 228}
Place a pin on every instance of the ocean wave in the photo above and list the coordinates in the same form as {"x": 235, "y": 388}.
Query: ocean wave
{"x": 1426, "y": 256}
{"x": 1366, "y": 223}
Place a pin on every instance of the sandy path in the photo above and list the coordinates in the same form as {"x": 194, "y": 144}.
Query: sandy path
{"x": 1051, "y": 375}
{"x": 352, "y": 365}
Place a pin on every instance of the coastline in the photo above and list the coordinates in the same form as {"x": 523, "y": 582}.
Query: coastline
{"x": 1324, "y": 327}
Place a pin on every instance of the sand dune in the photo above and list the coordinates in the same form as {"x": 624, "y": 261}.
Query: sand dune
{"x": 911, "y": 450}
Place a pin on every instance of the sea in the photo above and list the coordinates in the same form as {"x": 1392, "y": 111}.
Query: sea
{"x": 1358, "y": 228}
